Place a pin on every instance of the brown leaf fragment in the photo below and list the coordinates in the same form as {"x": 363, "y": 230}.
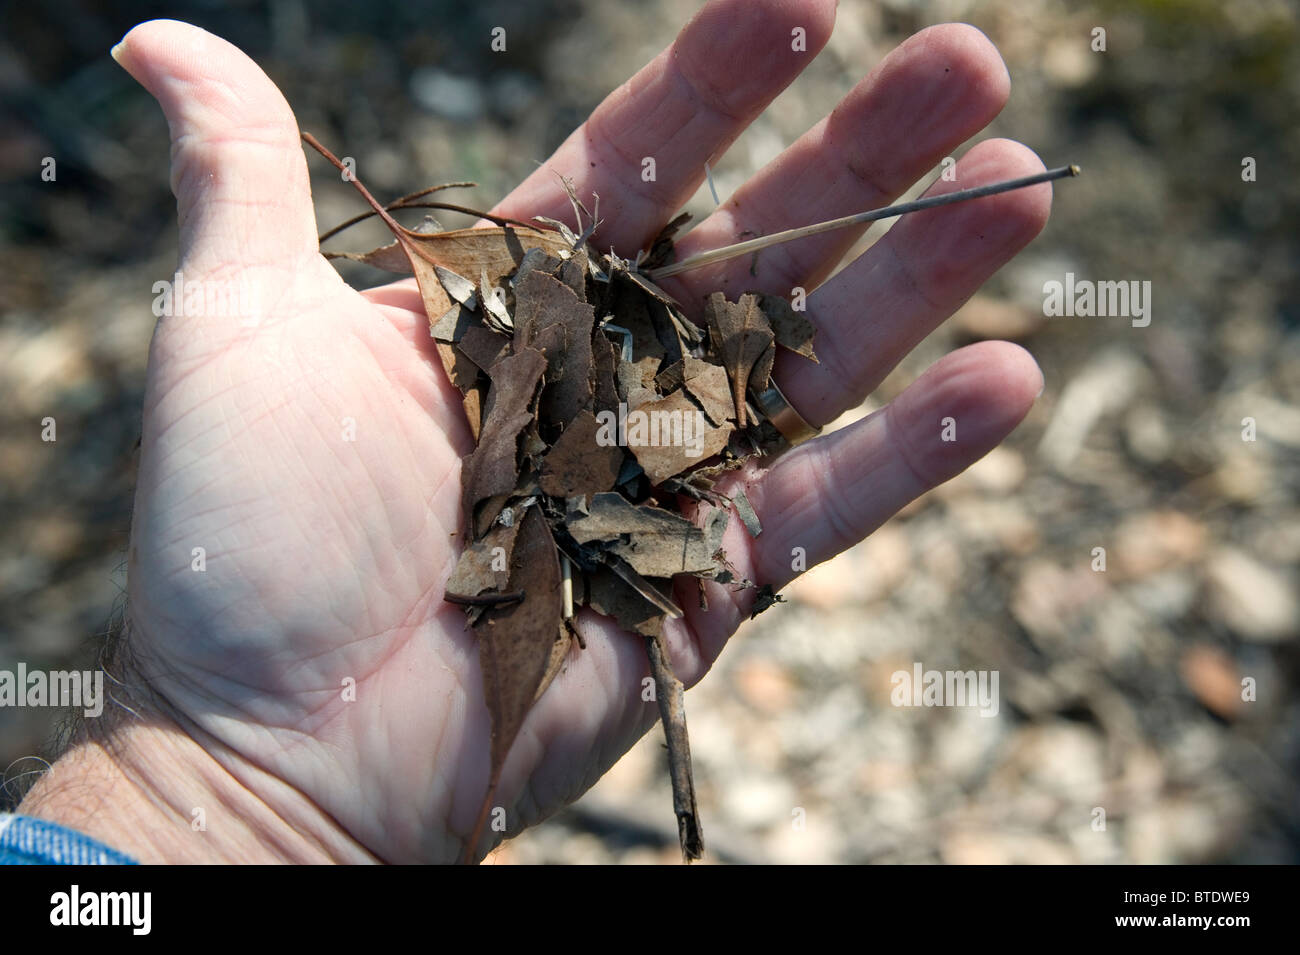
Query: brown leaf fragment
{"x": 673, "y": 331}
{"x": 605, "y": 395}
{"x": 454, "y": 323}
{"x": 669, "y": 435}
{"x": 580, "y": 464}
{"x": 656, "y": 542}
{"x": 490, "y": 509}
{"x": 492, "y": 252}
{"x": 551, "y": 318}
{"x": 482, "y": 346}
{"x": 705, "y": 382}
{"x": 667, "y": 332}
{"x": 715, "y": 525}
{"x": 485, "y": 564}
{"x": 671, "y": 377}
{"x": 389, "y": 258}
{"x": 636, "y": 381}
{"x": 653, "y": 591}
{"x": 462, "y": 251}
{"x": 517, "y": 643}
{"x": 483, "y": 600}
{"x": 534, "y": 259}
{"x": 762, "y": 370}
{"x": 793, "y": 331}
{"x": 498, "y": 249}
{"x": 609, "y": 594}
{"x": 495, "y": 312}
{"x": 461, "y": 372}
{"x": 746, "y": 513}
{"x": 492, "y": 468}
{"x": 458, "y": 287}
{"x": 472, "y": 402}
{"x": 631, "y": 310}
{"x": 572, "y": 271}
{"x": 740, "y": 335}
{"x": 661, "y": 248}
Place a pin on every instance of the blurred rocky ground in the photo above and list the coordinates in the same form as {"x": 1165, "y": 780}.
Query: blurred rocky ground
{"x": 1119, "y": 689}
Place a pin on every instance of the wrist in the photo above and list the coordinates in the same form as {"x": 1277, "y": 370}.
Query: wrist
{"x": 166, "y": 794}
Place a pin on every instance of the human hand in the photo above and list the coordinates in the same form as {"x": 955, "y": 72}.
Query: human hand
{"x": 326, "y": 556}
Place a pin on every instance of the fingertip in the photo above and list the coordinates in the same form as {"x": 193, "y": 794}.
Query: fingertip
{"x": 997, "y": 159}
{"x": 1016, "y": 369}
{"x": 198, "y": 78}
{"x": 966, "y": 56}
{"x": 145, "y": 41}
{"x": 238, "y": 169}
{"x": 963, "y": 406}
{"x": 962, "y": 244}
{"x": 738, "y": 51}
{"x": 968, "y": 48}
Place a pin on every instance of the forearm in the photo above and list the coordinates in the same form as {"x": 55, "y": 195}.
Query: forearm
{"x": 150, "y": 789}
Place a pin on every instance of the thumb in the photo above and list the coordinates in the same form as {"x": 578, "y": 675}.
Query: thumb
{"x": 237, "y": 168}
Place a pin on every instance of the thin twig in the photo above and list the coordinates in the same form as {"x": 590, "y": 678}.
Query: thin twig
{"x": 483, "y": 600}
{"x": 403, "y": 235}
{"x": 671, "y": 696}
{"x": 405, "y": 202}
{"x": 762, "y": 242}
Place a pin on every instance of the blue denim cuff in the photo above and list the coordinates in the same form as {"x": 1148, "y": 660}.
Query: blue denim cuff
{"x": 25, "y": 840}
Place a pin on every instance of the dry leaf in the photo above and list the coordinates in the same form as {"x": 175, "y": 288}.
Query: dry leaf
{"x": 577, "y": 464}
{"x": 492, "y": 468}
{"x": 485, "y": 564}
{"x": 522, "y": 645}
{"x": 792, "y": 330}
{"x": 746, "y": 513}
{"x": 705, "y": 382}
{"x": 609, "y": 594}
{"x": 655, "y": 542}
{"x": 552, "y": 319}
{"x": 678, "y": 437}
{"x": 741, "y": 336}
{"x": 513, "y": 311}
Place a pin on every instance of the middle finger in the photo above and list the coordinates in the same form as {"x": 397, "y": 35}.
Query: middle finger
{"x": 929, "y": 95}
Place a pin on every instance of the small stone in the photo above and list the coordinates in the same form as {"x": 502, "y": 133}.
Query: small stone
{"x": 1049, "y": 599}
{"x": 458, "y": 98}
{"x": 1000, "y": 471}
{"x": 1256, "y": 601}
{"x": 764, "y": 685}
{"x": 1157, "y": 540}
{"x": 1069, "y": 61}
{"x": 1213, "y": 678}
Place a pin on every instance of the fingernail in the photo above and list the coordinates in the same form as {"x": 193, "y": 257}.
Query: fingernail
{"x": 116, "y": 52}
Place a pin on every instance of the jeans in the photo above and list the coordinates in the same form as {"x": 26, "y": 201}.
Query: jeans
{"x": 25, "y": 840}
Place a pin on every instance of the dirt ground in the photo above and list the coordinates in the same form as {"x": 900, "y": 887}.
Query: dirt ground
{"x": 1120, "y": 690}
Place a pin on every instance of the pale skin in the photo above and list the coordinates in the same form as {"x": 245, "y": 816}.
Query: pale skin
{"x": 326, "y": 557}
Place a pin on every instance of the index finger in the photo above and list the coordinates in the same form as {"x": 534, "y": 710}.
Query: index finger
{"x": 644, "y": 148}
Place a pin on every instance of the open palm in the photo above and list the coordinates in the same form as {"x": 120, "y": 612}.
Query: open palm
{"x": 298, "y": 506}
